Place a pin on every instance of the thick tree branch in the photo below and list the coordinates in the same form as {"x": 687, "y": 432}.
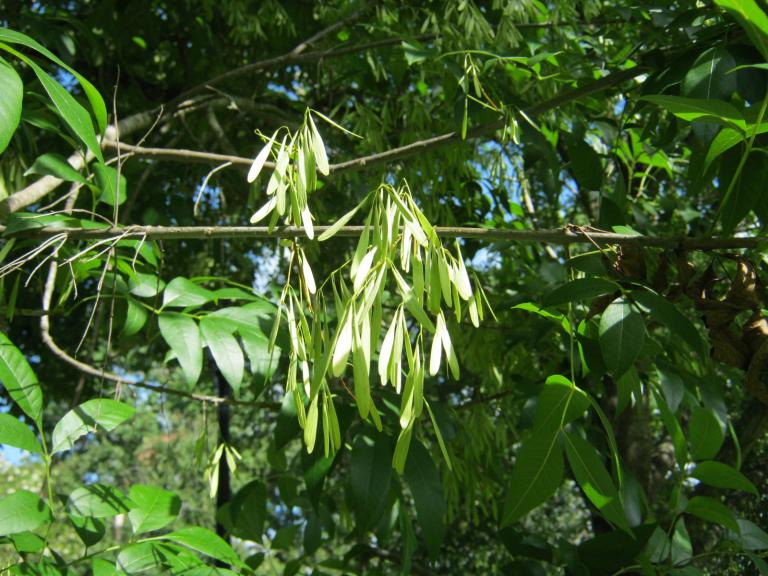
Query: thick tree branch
{"x": 562, "y": 236}
{"x": 131, "y": 124}
{"x": 296, "y": 55}
{"x": 394, "y": 154}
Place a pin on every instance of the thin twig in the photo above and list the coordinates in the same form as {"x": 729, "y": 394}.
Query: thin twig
{"x": 559, "y": 236}
{"x": 45, "y": 329}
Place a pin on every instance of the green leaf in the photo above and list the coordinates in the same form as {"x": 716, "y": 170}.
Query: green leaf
{"x": 622, "y": 334}
{"x": 90, "y": 530}
{"x": 19, "y": 380}
{"x": 140, "y": 557}
{"x": 217, "y": 334}
{"x": 154, "y": 508}
{"x": 135, "y": 317}
{"x": 671, "y": 384}
{"x": 183, "y": 336}
{"x": 27, "y": 542}
{"x": 51, "y": 164}
{"x": 206, "y": 542}
{"x": 75, "y": 116}
{"x": 701, "y": 110}
{"x": 681, "y": 549}
{"x": 721, "y": 475}
{"x": 262, "y": 361}
{"x": 578, "y": 290}
{"x": 145, "y": 285}
{"x": 559, "y": 403}
{"x": 23, "y": 221}
{"x": 726, "y": 139}
{"x": 538, "y": 472}
{"x": 95, "y": 99}
{"x": 98, "y": 500}
{"x": 11, "y": 96}
{"x": 89, "y": 417}
{"x": 106, "y": 181}
{"x": 709, "y": 76}
{"x": 705, "y": 434}
{"x": 423, "y": 479}
{"x": 101, "y": 567}
{"x": 674, "y": 429}
{"x": 17, "y": 434}
{"x": 182, "y": 292}
{"x": 662, "y": 310}
{"x": 21, "y": 511}
{"x": 414, "y": 52}
{"x": 752, "y": 18}
{"x": 339, "y": 224}
{"x": 539, "y": 468}
{"x": 585, "y": 163}
{"x": 370, "y": 475}
{"x": 607, "y": 552}
{"x": 594, "y": 479}
{"x": 752, "y": 536}
{"x": 248, "y": 511}
{"x": 713, "y": 511}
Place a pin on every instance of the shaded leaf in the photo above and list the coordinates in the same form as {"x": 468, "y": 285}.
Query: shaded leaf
{"x": 752, "y": 537}
{"x": 594, "y": 479}
{"x": 538, "y": 472}
{"x": 370, "y": 475}
{"x": 423, "y": 479}
{"x": 90, "y": 530}
{"x": 248, "y": 511}
{"x": 713, "y": 511}
{"x": 98, "y": 500}
{"x": 662, "y": 310}
{"x": 578, "y": 290}
{"x": 705, "y": 434}
{"x": 622, "y": 334}
{"x": 721, "y": 475}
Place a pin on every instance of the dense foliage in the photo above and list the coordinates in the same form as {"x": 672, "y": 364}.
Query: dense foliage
{"x": 383, "y": 287}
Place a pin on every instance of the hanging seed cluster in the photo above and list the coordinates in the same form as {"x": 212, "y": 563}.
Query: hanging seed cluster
{"x": 340, "y": 327}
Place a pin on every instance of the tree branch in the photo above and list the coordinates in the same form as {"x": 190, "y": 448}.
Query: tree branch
{"x": 562, "y": 236}
{"x": 399, "y": 153}
{"x": 45, "y": 330}
{"x": 47, "y": 184}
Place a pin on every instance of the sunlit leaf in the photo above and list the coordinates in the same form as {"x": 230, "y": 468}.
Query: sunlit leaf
{"x": 154, "y": 508}
{"x": 11, "y": 95}
{"x": 218, "y": 335}
{"x": 19, "y": 380}
{"x": 183, "y": 336}
{"x": 21, "y": 511}
{"x": 91, "y": 416}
